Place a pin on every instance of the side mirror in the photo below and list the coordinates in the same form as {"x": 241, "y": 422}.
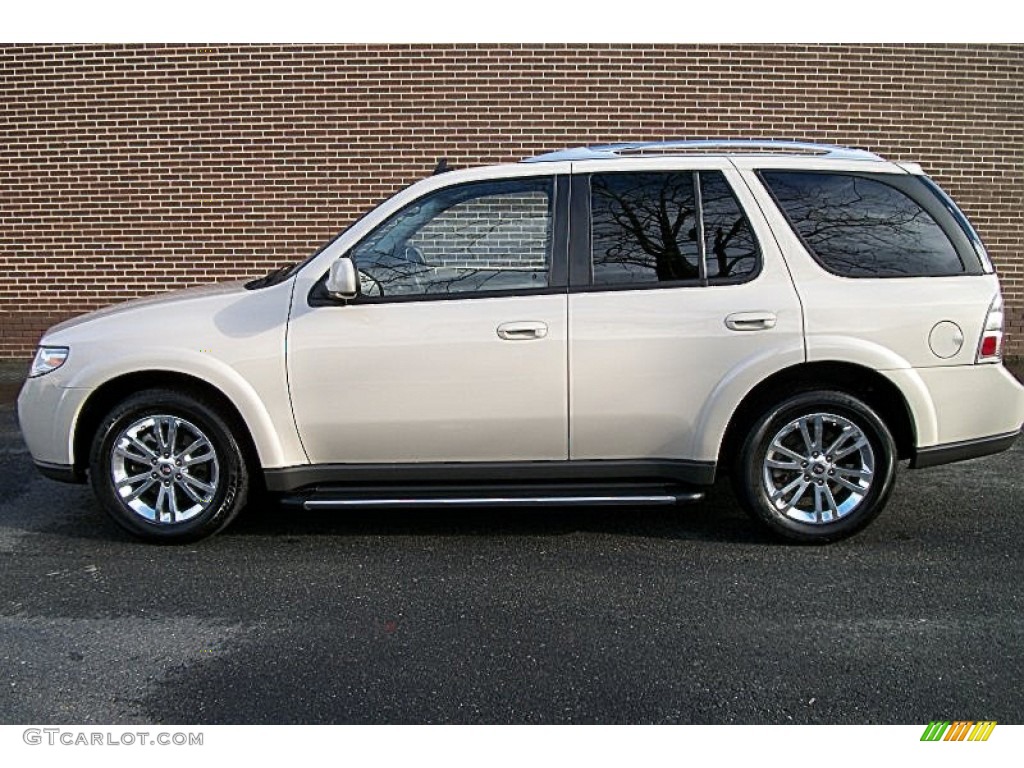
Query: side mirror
{"x": 343, "y": 281}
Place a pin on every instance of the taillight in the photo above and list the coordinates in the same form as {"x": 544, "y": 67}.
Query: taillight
{"x": 990, "y": 348}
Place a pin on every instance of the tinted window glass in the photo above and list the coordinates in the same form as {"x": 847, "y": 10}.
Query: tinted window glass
{"x": 474, "y": 237}
{"x": 731, "y": 248}
{"x": 860, "y": 227}
{"x": 643, "y": 228}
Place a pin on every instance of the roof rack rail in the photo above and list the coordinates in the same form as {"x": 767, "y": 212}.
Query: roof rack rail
{"x": 705, "y": 147}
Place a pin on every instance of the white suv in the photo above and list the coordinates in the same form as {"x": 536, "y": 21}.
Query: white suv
{"x": 606, "y": 325}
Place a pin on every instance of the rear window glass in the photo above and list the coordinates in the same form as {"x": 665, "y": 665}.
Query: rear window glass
{"x": 860, "y": 227}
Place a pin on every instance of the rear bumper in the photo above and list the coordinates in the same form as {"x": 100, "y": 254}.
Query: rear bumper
{"x": 960, "y": 412}
{"x": 963, "y": 450}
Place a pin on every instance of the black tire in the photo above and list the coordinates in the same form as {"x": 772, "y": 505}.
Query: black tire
{"x": 752, "y": 477}
{"x": 227, "y": 472}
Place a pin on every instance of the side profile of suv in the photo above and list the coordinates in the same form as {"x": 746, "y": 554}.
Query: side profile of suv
{"x": 604, "y": 325}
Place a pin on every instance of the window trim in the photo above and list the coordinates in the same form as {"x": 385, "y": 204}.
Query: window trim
{"x": 557, "y": 270}
{"x": 581, "y": 265}
{"x": 909, "y": 186}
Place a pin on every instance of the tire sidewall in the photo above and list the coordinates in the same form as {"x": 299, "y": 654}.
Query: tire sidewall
{"x": 752, "y": 491}
{"x": 233, "y": 481}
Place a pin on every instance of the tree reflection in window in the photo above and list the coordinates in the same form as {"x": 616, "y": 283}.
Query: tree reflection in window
{"x": 643, "y": 228}
{"x": 860, "y": 227}
{"x": 731, "y": 248}
{"x": 482, "y": 236}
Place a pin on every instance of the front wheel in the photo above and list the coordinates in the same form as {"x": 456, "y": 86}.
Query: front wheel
{"x": 816, "y": 467}
{"x": 167, "y": 467}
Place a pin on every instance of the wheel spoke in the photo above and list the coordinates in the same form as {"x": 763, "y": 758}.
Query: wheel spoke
{"x": 798, "y": 495}
{"x": 172, "y": 503}
{"x": 864, "y": 474}
{"x": 158, "y": 430}
{"x": 199, "y": 441}
{"x": 860, "y": 442}
{"x": 140, "y": 490}
{"x": 788, "y": 465}
{"x": 198, "y": 459}
{"x": 138, "y": 458}
{"x": 191, "y": 492}
{"x": 149, "y": 452}
{"x": 133, "y": 479}
{"x": 831, "y": 500}
{"x": 818, "y": 505}
{"x": 819, "y": 432}
{"x": 806, "y": 436}
{"x": 204, "y": 487}
{"x": 172, "y": 434}
{"x": 780, "y": 495}
{"x": 846, "y": 434}
{"x": 158, "y": 507}
{"x": 853, "y": 487}
{"x": 778, "y": 447}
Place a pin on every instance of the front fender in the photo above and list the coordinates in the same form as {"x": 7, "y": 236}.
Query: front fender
{"x": 275, "y": 439}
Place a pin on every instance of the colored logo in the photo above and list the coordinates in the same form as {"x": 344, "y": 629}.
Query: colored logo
{"x": 958, "y": 730}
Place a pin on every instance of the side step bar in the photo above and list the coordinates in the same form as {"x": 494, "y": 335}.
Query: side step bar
{"x": 327, "y": 498}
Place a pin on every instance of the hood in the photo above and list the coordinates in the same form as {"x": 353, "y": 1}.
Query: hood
{"x": 170, "y": 297}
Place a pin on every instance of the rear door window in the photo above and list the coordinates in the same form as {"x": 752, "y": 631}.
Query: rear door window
{"x": 645, "y": 230}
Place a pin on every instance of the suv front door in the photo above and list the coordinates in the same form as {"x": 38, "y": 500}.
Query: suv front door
{"x": 455, "y": 349}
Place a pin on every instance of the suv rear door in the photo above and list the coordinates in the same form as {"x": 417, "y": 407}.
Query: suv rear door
{"x": 679, "y": 304}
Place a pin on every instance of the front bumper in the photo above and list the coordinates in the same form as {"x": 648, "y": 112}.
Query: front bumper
{"x": 47, "y": 412}
{"x": 62, "y": 473}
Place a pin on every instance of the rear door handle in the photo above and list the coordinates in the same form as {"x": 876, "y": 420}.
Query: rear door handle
{"x": 522, "y": 331}
{"x": 751, "y": 321}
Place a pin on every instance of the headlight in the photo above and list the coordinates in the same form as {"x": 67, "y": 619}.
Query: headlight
{"x": 48, "y": 359}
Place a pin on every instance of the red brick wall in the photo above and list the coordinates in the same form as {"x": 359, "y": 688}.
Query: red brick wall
{"x": 126, "y": 170}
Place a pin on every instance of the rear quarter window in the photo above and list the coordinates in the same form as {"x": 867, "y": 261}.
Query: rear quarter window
{"x": 856, "y": 226}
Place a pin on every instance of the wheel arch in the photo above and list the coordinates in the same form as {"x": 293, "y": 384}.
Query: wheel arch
{"x": 867, "y": 384}
{"x": 113, "y": 391}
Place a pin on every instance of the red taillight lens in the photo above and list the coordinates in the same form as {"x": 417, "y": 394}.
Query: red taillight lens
{"x": 989, "y": 346}
{"x": 992, "y": 333}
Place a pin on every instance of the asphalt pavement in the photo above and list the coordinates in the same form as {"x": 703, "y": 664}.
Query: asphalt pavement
{"x": 685, "y": 615}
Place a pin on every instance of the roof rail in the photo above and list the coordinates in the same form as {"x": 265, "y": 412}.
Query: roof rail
{"x": 705, "y": 147}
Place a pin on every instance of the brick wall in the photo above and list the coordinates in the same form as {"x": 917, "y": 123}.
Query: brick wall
{"x": 506, "y": 230}
{"x": 126, "y": 170}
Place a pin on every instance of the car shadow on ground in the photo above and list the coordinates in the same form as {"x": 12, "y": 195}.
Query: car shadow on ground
{"x": 714, "y": 519}
{"x": 717, "y": 518}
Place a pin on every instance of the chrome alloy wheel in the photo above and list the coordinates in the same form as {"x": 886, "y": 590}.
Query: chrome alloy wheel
{"x": 165, "y": 469}
{"x": 818, "y": 468}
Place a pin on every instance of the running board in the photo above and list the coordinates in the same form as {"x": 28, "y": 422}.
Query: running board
{"x": 500, "y": 496}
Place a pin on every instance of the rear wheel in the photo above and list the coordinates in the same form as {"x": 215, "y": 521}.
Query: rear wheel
{"x": 167, "y": 467}
{"x": 816, "y": 467}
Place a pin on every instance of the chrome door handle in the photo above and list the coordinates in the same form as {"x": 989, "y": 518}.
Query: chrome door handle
{"x": 523, "y": 330}
{"x": 751, "y": 321}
